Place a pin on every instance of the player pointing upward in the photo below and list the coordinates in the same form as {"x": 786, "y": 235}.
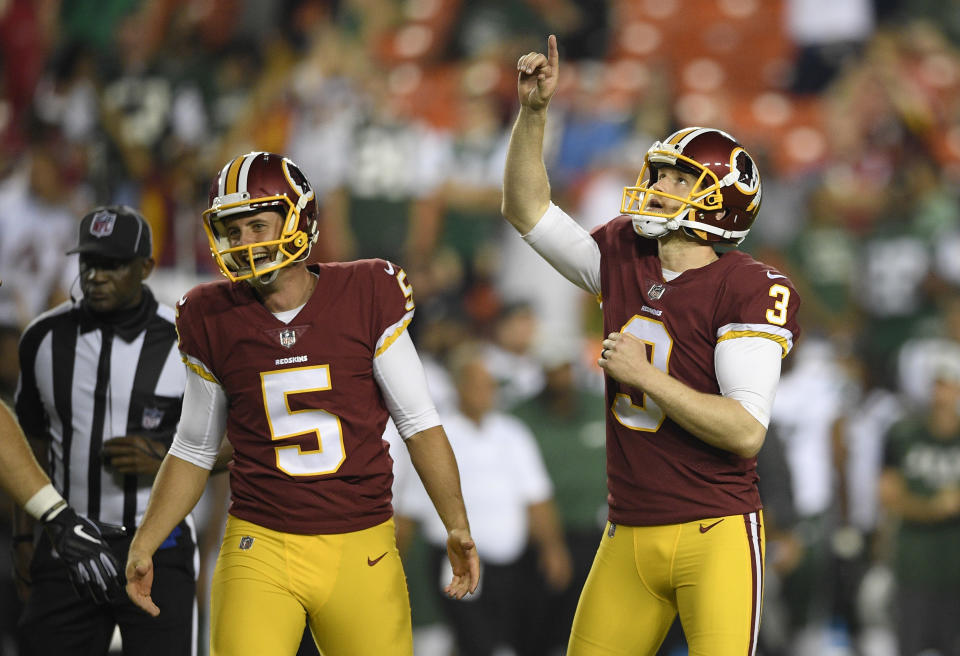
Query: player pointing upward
{"x": 692, "y": 359}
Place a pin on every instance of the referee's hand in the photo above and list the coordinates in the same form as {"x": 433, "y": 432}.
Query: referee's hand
{"x": 133, "y": 454}
{"x": 94, "y": 570}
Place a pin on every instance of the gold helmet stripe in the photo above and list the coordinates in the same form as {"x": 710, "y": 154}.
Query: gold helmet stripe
{"x": 229, "y": 181}
{"x": 675, "y": 138}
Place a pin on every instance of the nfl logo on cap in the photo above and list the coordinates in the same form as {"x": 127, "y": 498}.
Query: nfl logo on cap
{"x": 102, "y": 223}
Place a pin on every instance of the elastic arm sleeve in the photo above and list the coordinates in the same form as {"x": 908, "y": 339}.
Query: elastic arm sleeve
{"x": 748, "y": 370}
{"x": 203, "y": 421}
{"x": 568, "y": 248}
{"x": 399, "y": 374}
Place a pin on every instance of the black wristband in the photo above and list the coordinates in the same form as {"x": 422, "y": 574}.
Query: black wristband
{"x": 57, "y": 506}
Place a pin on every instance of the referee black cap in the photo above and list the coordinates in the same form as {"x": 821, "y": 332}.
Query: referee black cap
{"x": 115, "y": 231}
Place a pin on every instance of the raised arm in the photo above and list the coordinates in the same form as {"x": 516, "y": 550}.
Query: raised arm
{"x": 526, "y": 188}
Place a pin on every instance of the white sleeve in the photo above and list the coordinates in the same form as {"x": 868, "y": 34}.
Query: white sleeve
{"x": 203, "y": 421}
{"x": 399, "y": 374}
{"x": 748, "y": 370}
{"x": 568, "y": 248}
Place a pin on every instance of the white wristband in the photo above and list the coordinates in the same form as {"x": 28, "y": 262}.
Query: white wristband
{"x": 43, "y": 501}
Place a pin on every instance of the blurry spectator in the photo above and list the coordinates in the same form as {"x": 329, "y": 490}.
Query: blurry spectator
{"x": 471, "y": 190}
{"x": 827, "y": 34}
{"x": 858, "y": 541}
{"x": 66, "y": 96}
{"x": 508, "y": 495}
{"x": 510, "y": 356}
{"x": 920, "y": 487}
{"x": 784, "y": 545}
{"x": 394, "y": 167}
{"x": 37, "y": 226}
{"x": 919, "y": 355}
{"x": 823, "y": 257}
{"x": 568, "y": 421}
{"x": 810, "y": 399}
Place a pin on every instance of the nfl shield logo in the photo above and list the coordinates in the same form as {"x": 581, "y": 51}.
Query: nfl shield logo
{"x": 151, "y": 418}
{"x": 246, "y": 542}
{"x": 288, "y": 338}
{"x": 656, "y": 291}
{"x": 102, "y": 223}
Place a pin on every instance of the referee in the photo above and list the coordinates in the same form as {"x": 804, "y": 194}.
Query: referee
{"x": 100, "y": 389}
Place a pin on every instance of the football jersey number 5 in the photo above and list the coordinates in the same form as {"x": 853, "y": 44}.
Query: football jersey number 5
{"x": 647, "y": 416}
{"x": 285, "y": 422}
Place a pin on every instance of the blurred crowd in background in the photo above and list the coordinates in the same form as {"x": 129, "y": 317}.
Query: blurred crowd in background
{"x": 399, "y": 113}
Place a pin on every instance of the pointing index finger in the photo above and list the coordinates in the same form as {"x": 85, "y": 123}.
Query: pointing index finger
{"x": 553, "y": 56}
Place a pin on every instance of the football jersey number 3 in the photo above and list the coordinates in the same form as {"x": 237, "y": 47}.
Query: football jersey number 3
{"x": 285, "y": 422}
{"x": 648, "y": 416}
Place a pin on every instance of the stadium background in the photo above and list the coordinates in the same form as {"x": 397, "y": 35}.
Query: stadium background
{"x": 398, "y": 111}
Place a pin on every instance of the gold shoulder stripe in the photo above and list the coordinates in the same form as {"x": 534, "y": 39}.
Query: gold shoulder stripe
{"x": 733, "y": 334}
{"x": 200, "y": 371}
{"x": 392, "y": 338}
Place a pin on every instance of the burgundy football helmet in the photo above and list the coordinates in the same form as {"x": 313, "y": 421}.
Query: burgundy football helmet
{"x": 253, "y": 182}
{"x": 721, "y": 206}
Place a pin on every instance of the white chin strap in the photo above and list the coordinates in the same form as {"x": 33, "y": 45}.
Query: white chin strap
{"x": 654, "y": 227}
{"x": 268, "y": 278}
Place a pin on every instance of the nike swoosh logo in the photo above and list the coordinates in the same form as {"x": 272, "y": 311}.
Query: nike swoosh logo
{"x": 773, "y": 276}
{"x": 373, "y": 562}
{"x": 183, "y": 299}
{"x": 704, "y": 529}
{"x": 389, "y": 269}
{"x": 79, "y": 530}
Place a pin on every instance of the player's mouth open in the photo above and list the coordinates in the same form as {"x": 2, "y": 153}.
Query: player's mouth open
{"x": 260, "y": 259}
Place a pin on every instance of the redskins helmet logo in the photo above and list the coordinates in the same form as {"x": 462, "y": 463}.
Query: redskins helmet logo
{"x": 748, "y": 178}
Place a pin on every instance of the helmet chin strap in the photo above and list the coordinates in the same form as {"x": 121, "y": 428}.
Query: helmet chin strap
{"x": 269, "y": 278}
{"x": 265, "y": 279}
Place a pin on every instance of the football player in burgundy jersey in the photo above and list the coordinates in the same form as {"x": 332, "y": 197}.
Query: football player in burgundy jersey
{"x": 301, "y": 366}
{"x": 692, "y": 357}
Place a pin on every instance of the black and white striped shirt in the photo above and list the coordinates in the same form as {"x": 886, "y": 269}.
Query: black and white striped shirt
{"x": 83, "y": 381}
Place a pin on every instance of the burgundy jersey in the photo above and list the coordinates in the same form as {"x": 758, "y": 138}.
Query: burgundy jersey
{"x": 657, "y": 472}
{"x": 306, "y": 417}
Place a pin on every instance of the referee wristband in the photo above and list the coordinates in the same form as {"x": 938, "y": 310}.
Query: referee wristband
{"x": 45, "y": 504}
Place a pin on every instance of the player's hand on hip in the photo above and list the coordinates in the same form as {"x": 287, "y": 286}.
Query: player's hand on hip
{"x": 465, "y": 563}
{"x": 94, "y": 570}
{"x": 538, "y": 76}
{"x": 140, "y": 582}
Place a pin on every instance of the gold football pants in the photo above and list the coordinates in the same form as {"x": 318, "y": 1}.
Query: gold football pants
{"x": 349, "y": 587}
{"x": 709, "y": 571}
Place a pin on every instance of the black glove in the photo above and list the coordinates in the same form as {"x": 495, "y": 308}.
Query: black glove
{"x": 94, "y": 570}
